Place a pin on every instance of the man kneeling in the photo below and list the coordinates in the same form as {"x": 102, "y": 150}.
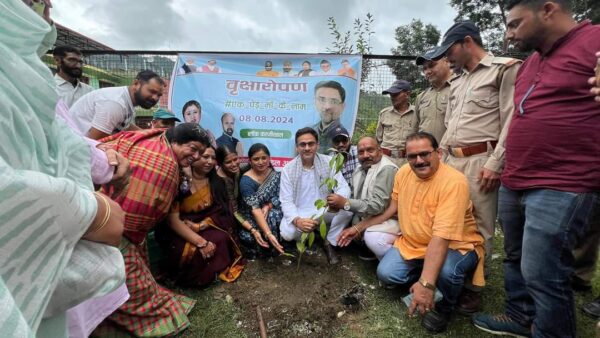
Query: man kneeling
{"x": 439, "y": 244}
{"x": 299, "y": 188}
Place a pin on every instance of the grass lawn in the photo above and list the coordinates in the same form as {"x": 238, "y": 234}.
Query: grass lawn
{"x": 217, "y": 314}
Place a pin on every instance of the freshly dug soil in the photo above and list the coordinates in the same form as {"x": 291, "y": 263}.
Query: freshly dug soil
{"x": 314, "y": 299}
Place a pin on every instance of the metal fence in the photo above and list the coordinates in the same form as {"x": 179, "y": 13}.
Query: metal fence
{"x": 119, "y": 68}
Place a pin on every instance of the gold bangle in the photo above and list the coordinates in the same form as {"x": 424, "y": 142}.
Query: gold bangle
{"x": 106, "y": 217}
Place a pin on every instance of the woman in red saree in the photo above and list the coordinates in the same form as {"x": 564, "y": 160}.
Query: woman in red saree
{"x": 156, "y": 157}
{"x": 199, "y": 239}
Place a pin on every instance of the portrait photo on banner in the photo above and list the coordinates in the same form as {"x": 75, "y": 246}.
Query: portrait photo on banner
{"x": 242, "y": 99}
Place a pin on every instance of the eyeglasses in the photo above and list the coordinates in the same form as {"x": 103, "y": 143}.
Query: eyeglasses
{"x": 324, "y": 100}
{"x": 307, "y": 144}
{"x": 423, "y": 155}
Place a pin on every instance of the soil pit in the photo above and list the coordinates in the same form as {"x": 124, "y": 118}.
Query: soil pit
{"x": 314, "y": 300}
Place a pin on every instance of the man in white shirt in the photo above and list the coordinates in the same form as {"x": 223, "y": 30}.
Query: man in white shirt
{"x": 69, "y": 66}
{"x": 301, "y": 186}
{"x": 106, "y": 111}
{"x": 325, "y": 69}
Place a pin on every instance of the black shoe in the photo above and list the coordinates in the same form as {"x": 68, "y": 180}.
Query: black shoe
{"x": 469, "y": 302}
{"x": 435, "y": 322}
{"x": 592, "y": 309}
{"x": 332, "y": 256}
{"x": 365, "y": 254}
{"x": 579, "y": 285}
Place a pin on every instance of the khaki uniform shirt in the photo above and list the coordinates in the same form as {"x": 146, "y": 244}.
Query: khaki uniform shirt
{"x": 481, "y": 105}
{"x": 393, "y": 127}
{"x": 430, "y": 109}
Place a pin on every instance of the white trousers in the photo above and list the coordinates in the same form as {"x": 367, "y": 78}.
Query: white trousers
{"x": 336, "y": 222}
{"x": 379, "y": 242}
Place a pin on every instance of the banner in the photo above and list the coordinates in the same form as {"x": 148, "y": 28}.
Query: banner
{"x": 242, "y": 99}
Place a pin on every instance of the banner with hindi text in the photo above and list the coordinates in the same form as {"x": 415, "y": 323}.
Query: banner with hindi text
{"x": 265, "y": 98}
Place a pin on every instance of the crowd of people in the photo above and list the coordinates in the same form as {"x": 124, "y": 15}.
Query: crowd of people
{"x": 86, "y": 192}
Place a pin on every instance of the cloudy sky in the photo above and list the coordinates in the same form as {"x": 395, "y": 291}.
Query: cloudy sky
{"x": 296, "y": 26}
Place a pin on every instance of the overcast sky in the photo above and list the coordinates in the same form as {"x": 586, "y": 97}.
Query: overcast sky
{"x": 295, "y": 26}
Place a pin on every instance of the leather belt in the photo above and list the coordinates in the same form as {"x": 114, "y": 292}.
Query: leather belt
{"x": 471, "y": 150}
{"x": 394, "y": 153}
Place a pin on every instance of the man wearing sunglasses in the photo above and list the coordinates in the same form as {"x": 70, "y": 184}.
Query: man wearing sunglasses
{"x": 439, "y": 244}
{"x": 478, "y": 112}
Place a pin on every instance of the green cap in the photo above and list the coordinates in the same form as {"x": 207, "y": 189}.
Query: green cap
{"x": 163, "y": 114}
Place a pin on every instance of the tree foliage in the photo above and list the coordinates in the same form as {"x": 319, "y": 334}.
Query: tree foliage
{"x": 490, "y": 17}
{"x": 357, "y": 41}
{"x": 413, "y": 39}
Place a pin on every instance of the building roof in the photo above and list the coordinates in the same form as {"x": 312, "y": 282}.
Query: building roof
{"x": 69, "y": 37}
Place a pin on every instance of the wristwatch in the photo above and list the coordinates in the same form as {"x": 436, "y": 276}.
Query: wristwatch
{"x": 426, "y": 284}
{"x": 347, "y": 205}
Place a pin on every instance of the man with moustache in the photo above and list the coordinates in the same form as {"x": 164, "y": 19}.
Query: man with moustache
{"x": 69, "y": 64}
{"x": 479, "y": 108}
{"x": 372, "y": 189}
{"x": 227, "y": 139}
{"x": 300, "y": 187}
{"x": 342, "y": 145}
{"x": 551, "y": 178}
{"x": 396, "y": 122}
{"x": 439, "y": 245}
{"x": 106, "y": 111}
{"x": 431, "y": 104}
{"x": 330, "y": 99}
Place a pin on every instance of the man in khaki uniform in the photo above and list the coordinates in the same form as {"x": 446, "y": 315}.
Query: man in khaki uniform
{"x": 430, "y": 106}
{"x": 396, "y": 122}
{"x": 478, "y": 114}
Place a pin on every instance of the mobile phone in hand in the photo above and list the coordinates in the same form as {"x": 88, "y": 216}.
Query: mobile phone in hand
{"x": 407, "y": 300}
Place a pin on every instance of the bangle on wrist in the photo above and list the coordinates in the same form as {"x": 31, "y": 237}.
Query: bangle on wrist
{"x": 357, "y": 229}
{"x": 106, "y": 216}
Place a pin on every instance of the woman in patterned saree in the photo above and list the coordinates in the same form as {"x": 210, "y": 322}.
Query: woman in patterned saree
{"x": 259, "y": 188}
{"x": 199, "y": 240}
{"x": 156, "y": 157}
{"x": 230, "y": 171}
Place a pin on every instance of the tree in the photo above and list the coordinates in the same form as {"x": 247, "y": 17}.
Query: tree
{"x": 342, "y": 42}
{"x": 413, "y": 39}
{"x": 490, "y": 17}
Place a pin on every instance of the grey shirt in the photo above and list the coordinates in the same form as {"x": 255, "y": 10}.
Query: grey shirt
{"x": 379, "y": 188}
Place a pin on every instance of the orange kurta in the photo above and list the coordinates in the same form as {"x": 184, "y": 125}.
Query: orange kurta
{"x": 438, "y": 206}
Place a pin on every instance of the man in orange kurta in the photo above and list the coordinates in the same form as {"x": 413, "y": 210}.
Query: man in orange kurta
{"x": 439, "y": 245}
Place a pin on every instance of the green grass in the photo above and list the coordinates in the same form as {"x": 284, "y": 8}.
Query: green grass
{"x": 384, "y": 316}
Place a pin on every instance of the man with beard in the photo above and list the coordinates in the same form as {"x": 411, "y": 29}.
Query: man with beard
{"x": 396, "y": 122}
{"x": 551, "y": 178}
{"x": 227, "y": 139}
{"x": 330, "y": 99}
{"x": 431, "y": 104}
{"x": 439, "y": 245}
{"x": 479, "y": 108}
{"x": 68, "y": 71}
{"x": 106, "y": 111}
{"x": 371, "y": 195}
{"x": 287, "y": 69}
